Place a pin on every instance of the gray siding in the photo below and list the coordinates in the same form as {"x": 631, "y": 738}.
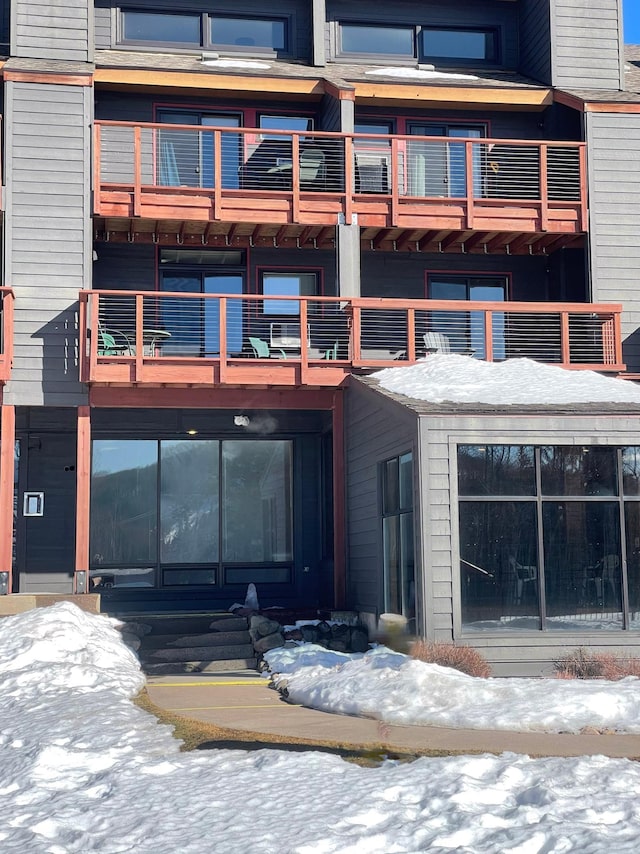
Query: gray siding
{"x": 106, "y": 35}
{"x": 45, "y": 30}
{"x": 472, "y": 12}
{"x": 535, "y": 40}
{"x": 613, "y": 141}
{"x": 47, "y": 243}
{"x": 376, "y": 429}
{"x": 508, "y": 652}
{"x": 587, "y": 44}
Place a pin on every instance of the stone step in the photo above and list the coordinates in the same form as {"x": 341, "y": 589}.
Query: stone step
{"x": 210, "y": 639}
{"x": 191, "y": 653}
{"x": 187, "y": 624}
{"x": 177, "y": 667}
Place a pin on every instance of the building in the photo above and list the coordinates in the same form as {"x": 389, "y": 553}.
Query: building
{"x": 219, "y": 220}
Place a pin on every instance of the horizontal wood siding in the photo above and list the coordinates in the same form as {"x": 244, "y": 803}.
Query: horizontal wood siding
{"x": 535, "y": 40}
{"x": 509, "y": 653}
{"x": 613, "y": 144}
{"x": 443, "y": 13}
{"x": 47, "y": 243}
{"x": 299, "y": 10}
{"x": 376, "y": 430}
{"x": 52, "y": 30}
{"x": 587, "y": 44}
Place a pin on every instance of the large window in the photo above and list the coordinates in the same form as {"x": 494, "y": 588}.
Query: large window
{"x": 247, "y": 33}
{"x": 191, "y": 511}
{"x": 396, "y": 506}
{"x": 418, "y": 42}
{"x": 549, "y": 537}
{"x": 281, "y": 284}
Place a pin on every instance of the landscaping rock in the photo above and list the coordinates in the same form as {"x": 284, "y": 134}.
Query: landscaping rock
{"x": 310, "y": 634}
{"x": 264, "y": 644}
{"x": 358, "y": 639}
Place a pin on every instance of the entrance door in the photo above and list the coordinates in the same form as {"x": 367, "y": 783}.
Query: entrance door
{"x": 186, "y": 158}
{"x": 439, "y": 168}
{"x": 45, "y": 548}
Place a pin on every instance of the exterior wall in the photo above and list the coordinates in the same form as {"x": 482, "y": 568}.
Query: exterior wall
{"x": 376, "y": 429}
{"x": 522, "y": 653}
{"x": 472, "y": 12}
{"x": 535, "y": 40}
{"x": 106, "y": 35}
{"x": 45, "y": 30}
{"x": 47, "y": 242}
{"x": 587, "y": 44}
{"x": 537, "y": 278}
{"x": 613, "y": 141}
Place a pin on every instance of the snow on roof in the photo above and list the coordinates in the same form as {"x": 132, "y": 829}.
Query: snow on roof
{"x": 463, "y": 379}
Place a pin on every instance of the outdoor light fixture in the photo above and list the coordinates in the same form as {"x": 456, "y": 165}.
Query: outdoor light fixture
{"x": 241, "y": 420}
{"x": 192, "y": 432}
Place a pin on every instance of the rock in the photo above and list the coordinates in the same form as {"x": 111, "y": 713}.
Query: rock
{"x": 337, "y": 645}
{"x": 264, "y": 644}
{"x": 294, "y": 634}
{"x": 340, "y": 632}
{"x": 260, "y": 627}
{"x": 358, "y": 639}
{"x": 139, "y": 629}
{"x": 324, "y": 630}
{"x": 132, "y": 641}
{"x": 309, "y": 634}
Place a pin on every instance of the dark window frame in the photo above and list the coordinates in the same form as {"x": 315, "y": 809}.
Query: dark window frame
{"x": 622, "y": 497}
{"x": 418, "y": 55}
{"x": 400, "y": 512}
{"x": 205, "y": 44}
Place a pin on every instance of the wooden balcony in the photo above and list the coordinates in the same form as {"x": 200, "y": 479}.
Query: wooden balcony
{"x": 6, "y": 333}
{"x": 188, "y": 340}
{"x": 240, "y": 187}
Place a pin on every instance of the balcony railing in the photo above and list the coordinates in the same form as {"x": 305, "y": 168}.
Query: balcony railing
{"x": 194, "y": 339}
{"x": 182, "y": 172}
{"x": 6, "y": 333}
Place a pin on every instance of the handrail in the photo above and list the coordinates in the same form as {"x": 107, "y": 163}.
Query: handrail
{"x": 471, "y": 177}
{"x": 327, "y": 332}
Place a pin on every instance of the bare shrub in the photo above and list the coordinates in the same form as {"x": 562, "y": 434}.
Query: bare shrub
{"x": 463, "y": 658}
{"x": 580, "y": 664}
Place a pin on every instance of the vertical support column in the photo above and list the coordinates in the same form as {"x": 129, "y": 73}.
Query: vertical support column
{"x": 8, "y": 437}
{"x": 339, "y": 504}
{"x": 348, "y": 260}
{"x": 318, "y": 24}
{"x": 83, "y": 487}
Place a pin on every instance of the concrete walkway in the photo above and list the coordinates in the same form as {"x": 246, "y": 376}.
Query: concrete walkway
{"x": 244, "y": 701}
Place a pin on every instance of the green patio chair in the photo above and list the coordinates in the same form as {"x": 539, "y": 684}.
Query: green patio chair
{"x": 261, "y": 350}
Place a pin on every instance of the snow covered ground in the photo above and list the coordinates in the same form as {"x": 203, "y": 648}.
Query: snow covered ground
{"x": 83, "y": 770}
{"x": 463, "y": 379}
{"x": 391, "y": 687}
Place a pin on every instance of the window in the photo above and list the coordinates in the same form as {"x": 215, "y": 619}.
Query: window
{"x": 246, "y": 33}
{"x": 396, "y": 506}
{"x": 174, "y": 511}
{"x": 421, "y": 43}
{"x": 287, "y": 284}
{"x": 549, "y": 537}
{"x": 461, "y": 45}
{"x": 464, "y": 331}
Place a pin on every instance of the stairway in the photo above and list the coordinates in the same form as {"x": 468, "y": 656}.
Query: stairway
{"x": 194, "y": 643}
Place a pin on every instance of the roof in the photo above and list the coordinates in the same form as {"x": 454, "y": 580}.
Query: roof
{"x": 426, "y": 408}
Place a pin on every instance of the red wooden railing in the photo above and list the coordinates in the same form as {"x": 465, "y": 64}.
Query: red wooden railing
{"x": 158, "y": 171}
{"x": 6, "y": 333}
{"x": 152, "y": 337}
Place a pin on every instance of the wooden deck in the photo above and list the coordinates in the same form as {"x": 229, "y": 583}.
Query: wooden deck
{"x": 155, "y": 339}
{"x": 164, "y": 183}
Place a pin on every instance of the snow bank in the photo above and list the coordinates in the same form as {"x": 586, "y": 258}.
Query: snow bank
{"x": 463, "y": 379}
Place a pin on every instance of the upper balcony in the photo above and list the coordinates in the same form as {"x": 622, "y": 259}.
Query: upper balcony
{"x": 6, "y": 333}
{"x": 156, "y": 338}
{"x": 164, "y": 183}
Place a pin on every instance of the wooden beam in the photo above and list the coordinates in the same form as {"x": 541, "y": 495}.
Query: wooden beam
{"x": 339, "y": 504}
{"x": 497, "y": 242}
{"x": 449, "y": 241}
{"x": 48, "y": 78}
{"x": 7, "y": 445}
{"x": 475, "y": 240}
{"x": 381, "y": 237}
{"x": 83, "y": 487}
{"x": 204, "y": 80}
{"x": 519, "y": 243}
{"x": 426, "y": 239}
{"x": 211, "y": 398}
{"x": 462, "y": 97}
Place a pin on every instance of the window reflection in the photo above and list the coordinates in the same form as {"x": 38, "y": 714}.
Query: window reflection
{"x": 496, "y": 470}
{"x": 578, "y": 471}
{"x": 256, "y": 501}
{"x": 631, "y": 470}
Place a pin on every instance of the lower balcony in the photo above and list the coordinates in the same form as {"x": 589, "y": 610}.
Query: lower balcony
{"x": 180, "y": 339}
{"x": 6, "y": 333}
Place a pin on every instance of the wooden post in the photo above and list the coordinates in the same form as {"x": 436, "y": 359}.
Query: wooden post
{"x": 339, "y": 504}
{"x": 7, "y": 445}
{"x": 83, "y": 489}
